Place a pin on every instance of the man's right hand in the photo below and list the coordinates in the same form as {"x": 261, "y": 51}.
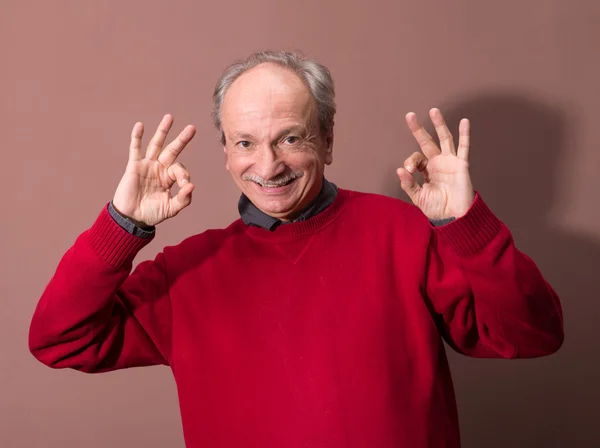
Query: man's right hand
{"x": 144, "y": 193}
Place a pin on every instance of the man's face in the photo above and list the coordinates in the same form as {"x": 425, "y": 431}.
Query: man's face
{"x": 275, "y": 150}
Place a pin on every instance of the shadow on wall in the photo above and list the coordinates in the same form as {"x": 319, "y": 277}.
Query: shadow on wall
{"x": 551, "y": 401}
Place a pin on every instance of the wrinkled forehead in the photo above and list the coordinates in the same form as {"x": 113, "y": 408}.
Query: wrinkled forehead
{"x": 267, "y": 91}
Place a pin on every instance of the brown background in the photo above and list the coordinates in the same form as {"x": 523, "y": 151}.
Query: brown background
{"x": 76, "y": 75}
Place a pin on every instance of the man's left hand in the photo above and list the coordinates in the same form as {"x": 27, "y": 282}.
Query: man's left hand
{"x": 447, "y": 190}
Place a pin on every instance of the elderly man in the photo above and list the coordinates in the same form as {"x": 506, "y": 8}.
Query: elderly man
{"x": 317, "y": 319}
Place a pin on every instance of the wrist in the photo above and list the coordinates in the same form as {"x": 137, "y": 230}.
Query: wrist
{"x": 465, "y": 205}
{"x": 140, "y": 224}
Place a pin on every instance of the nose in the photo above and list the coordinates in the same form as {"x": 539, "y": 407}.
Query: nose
{"x": 268, "y": 163}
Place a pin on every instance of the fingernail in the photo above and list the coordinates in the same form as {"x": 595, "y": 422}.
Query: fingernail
{"x": 409, "y": 168}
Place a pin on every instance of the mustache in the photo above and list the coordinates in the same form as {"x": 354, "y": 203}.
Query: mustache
{"x": 277, "y": 181}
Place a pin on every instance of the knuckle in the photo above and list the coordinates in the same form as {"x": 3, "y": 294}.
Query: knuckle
{"x": 156, "y": 141}
{"x": 176, "y": 167}
{"x": 444, "y": 134}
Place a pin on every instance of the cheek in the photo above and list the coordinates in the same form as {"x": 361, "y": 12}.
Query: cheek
{"x": 235, "y": 164}
{"x": 307, "y": 159}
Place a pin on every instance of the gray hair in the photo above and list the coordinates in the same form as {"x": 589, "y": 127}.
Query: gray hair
{"x": 315, "y": 75}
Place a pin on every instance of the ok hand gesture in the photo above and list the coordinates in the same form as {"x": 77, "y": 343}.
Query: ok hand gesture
{"x": 144, "y": 193}
{"x": 446, "y": 191}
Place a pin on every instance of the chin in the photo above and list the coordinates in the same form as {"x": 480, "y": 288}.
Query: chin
{"x": 276, "y": 208}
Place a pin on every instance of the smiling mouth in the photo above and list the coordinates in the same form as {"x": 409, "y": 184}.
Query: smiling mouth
{"x": 278, "y": 184}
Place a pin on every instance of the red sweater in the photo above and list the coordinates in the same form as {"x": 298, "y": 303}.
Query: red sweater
{"x": 323, "y": 333}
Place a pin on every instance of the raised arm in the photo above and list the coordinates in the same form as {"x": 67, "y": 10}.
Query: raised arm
{"x": 93, "y": 315}
{"x": 489, "y": 299}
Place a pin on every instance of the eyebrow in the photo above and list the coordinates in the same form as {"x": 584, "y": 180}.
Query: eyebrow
{"x": 242, "y": 136}
{"x": 292, "y": 129}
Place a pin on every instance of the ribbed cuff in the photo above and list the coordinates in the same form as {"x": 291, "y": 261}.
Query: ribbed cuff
{"x": 112, "y": 243}
{"x": 472, "y": 232}
{"x": 128, "y": 225}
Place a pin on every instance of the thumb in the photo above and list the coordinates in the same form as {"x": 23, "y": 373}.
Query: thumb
{"x": 409, "y": 184}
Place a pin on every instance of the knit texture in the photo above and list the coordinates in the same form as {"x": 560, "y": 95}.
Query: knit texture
{"x": 323, "y": 333}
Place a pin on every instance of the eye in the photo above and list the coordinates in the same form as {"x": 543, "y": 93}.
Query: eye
{"x": 291, "y": 140}
{"x": 244, "y": 144}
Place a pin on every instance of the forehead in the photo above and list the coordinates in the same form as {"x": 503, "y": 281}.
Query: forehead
{"x": 266, "y": 92}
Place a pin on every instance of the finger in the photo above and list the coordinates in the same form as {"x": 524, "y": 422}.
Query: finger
{"x": 184, "y": 195}
{"x": 179, "y": 174}
{"x": 157, "y": 142}
{"x": 409, "y": 185}
{"x": 172, "y": 151}
{"x": 182, "y": 199}
{"x": 416, "y": 162}
{"x": 446, "y": 140}
{"x": 464, "y": 139}
{"x": 135, "y": 147}
{"x": 427, "y": 144}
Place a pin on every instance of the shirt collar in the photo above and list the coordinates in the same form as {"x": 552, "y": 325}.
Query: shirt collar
{"x": 252, "y": 216}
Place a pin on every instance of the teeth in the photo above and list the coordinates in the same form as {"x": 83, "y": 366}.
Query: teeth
{"x": 278, "y": 185}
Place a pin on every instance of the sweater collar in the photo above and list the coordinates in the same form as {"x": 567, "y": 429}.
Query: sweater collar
{"x": 252, "y": 216}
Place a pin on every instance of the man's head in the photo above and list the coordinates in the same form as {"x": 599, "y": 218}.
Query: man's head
{"x": 274, "y": 113}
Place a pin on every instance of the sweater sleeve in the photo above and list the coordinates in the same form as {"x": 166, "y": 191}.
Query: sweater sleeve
{"x": 94, "y": 315}
{"x": 490, "y": 299}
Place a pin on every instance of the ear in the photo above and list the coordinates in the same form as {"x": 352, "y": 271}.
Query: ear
{"x": 226, "y": 158}
{"x": 329, "y": 148}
